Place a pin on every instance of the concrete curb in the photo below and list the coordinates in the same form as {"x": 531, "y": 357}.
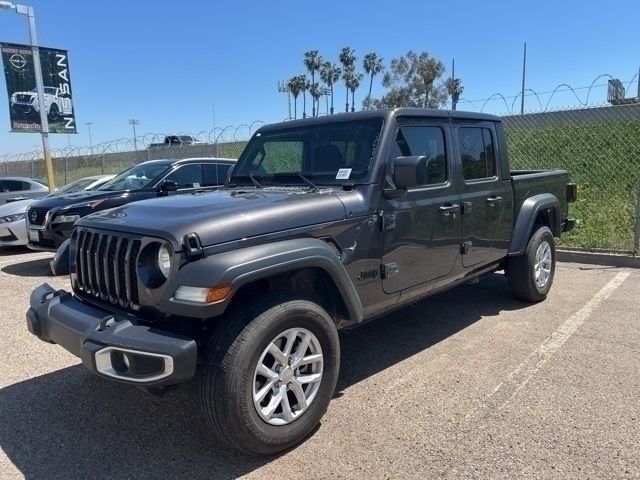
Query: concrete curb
{"x": 592, "y": 258}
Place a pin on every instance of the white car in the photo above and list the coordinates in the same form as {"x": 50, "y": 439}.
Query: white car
{"x": 57, "y": 106}
{"x": 13, "y": 227}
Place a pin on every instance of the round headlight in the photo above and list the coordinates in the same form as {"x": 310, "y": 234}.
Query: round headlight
{"x": 164, "y": 260}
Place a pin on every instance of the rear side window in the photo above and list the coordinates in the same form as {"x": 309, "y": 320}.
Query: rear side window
{"x": 428, "y": 142}
{"x": 187, "y": 176}
{"x": 223, "y": 172}
{"x": 215, "y": 174}
{"x": 477, "y": 153}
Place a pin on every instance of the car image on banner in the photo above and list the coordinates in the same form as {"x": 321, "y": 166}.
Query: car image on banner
{"x": 24, "y": 106}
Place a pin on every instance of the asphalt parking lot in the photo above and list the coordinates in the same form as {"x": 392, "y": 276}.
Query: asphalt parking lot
{"x": 468, "y": 384}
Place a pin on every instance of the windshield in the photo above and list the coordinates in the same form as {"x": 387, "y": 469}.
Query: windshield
{"x": 140, "y": 176}
{"x": 332, "y": 152}
{"x": 76, "y": 186}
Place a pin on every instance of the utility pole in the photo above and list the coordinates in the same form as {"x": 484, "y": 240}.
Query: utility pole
{"x": 283, "y": 88}
{"x": 133, "y": 122}
{"x": 88, "y": 124}
{"x": 453, "y": 76}
{"x": 35, "y": 52}
{"x": 213, "y": 118}
{"x": 524, "y": 71}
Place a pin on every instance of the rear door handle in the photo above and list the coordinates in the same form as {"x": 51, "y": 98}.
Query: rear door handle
{"x": 493, "y": 199}
{"x": 450, "y": 209}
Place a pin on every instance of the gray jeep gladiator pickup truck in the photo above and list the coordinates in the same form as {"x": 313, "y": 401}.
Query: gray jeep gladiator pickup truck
{"x": 323, "y": 224}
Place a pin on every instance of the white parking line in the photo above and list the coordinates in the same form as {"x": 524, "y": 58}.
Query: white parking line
{"x": 502, "y": 394}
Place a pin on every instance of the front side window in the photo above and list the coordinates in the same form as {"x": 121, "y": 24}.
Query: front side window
{"x": 428, "y": 142}
{"x": 187, "y": 176}
{"x": 332, "y": 153}
{"x": 477, "y": 153}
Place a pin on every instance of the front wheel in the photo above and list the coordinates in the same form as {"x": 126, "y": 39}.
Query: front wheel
{"x": 531, "y": 274}
{"x": 270, "y": 373}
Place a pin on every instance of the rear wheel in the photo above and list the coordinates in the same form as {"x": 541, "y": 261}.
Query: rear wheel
{"x": 531, "y": 274}
{"x": 269, "y": 373}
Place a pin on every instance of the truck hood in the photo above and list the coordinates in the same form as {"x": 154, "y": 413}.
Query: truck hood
{"x": 75, "y": 198}
{"x": 221, "y": 216}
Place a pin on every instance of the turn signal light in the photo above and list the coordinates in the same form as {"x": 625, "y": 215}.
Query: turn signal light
{"x": 217, "y": 294}
{"x": 203, "y": 294}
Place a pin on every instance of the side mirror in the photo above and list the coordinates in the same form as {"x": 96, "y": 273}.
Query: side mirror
{"x": 409, "y": 172}
{"x": 167, "y": 186}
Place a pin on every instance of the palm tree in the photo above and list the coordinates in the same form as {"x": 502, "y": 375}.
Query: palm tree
{"x": 313, "y": 62}
{"x": 454, "y": 88}
{"x": 354, "y": 83}
{"x": 347, "y": 58}
{"x": 295, "y": 88}
{"x": 316, "y": 93}
{"x": 304, "y": 86}
{"x": 372, "y": 64}
{"x": 330, "y": 74}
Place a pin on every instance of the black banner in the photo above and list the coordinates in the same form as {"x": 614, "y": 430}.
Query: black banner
{"x": 24, "y": 110}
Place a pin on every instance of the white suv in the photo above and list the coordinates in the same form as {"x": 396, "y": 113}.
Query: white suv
{"x": 57, "y": 106}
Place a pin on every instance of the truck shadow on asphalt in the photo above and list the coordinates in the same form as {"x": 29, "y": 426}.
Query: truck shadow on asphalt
{"x": 72, "y": 424}
{"x": 31, "y": 268}
{"x": 7, "y": 251}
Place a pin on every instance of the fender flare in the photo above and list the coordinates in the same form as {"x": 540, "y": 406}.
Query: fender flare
{"x": 529, "y": 211}
{"x": 246, "y": 265}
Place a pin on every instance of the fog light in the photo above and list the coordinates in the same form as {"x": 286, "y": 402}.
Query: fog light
{"x": 202, "y": 294}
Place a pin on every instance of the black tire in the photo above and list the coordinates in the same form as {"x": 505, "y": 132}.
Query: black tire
{"x": 226, "y": 386}
{"x": 54, "y": 113}
{"x": 522, "y": 272}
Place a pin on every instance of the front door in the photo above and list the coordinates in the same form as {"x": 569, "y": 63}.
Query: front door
{"x": 422, "y": 226}
{"x": 483, "y": 193}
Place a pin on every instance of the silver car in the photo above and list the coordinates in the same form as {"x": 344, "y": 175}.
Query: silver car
{"x": 20, "y": 188}
{"x": 13, "y": 228}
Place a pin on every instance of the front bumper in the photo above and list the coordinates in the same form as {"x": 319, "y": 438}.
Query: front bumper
{"x": 13, "y": 233}
{"x": 112, "y": 345}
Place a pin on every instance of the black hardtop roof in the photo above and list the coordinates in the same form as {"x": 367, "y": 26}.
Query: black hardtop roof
{"x": 386, "y": 114}
{"x": 180, "y": 161}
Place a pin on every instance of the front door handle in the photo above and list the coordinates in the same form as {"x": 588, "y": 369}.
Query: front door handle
{"x": 450, "y": 209}
{"x": 493, "y": 199}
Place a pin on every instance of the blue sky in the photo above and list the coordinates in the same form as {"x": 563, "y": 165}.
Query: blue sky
{"x": 165, "y": 63}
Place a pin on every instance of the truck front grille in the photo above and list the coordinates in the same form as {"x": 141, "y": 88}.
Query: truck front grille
{"x": 37, "y": 216}
{"x": 105, "y": 267}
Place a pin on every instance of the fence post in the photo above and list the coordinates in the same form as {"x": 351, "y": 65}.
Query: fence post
{"x": 636, "y": 240}
{"x": 65, "y": 170}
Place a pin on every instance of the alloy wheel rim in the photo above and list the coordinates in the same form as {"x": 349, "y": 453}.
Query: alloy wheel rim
{"x": 542, "y": 266}
{"x": 287, "y": 377}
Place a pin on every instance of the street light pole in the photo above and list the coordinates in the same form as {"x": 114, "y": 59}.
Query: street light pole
{"x": 88, "y": 124}
{"x": 35, "y": 51}
{"x": 133, "y": 122}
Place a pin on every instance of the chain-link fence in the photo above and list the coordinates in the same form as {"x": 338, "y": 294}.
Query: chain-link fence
{"x": 599, "y": 146}
{"x": 71, "y": 163}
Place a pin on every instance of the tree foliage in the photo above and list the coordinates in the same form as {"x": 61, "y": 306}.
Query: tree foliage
{"x": 411, "y": 82}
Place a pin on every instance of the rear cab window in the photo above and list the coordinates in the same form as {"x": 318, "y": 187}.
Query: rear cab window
{"x": 477, "y": 153}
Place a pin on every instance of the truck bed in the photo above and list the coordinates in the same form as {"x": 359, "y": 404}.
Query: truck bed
{"x": 527, "y": 183}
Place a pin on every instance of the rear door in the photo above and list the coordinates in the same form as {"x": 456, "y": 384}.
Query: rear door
{"x": 422, "y": 227}
{"x": 483, "y": 192}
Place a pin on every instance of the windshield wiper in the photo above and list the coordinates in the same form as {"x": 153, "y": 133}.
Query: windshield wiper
{"x": 309, "y": 182}
{"x": 253, "y": 179}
